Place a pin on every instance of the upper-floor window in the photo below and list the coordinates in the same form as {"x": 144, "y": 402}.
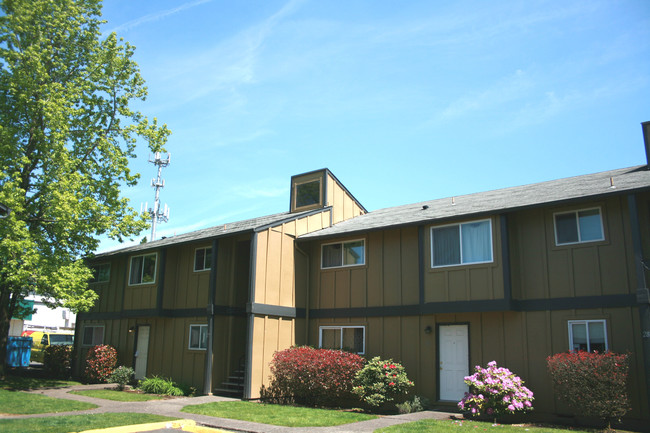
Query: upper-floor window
{"x": 101, "y": 273}
{"x": 202, "y": 259}
{"x": 459, "y": 244}
{"x": 578, "y": 226}
{"x": 588, "y": 335}
{"x": 92, "y": 336}
{"x": 198, "y": 337}
{"x": 308, "y": 193}
{"x": 352, "y": 338}
{"x": 143, "y": 269}
{"x": 351, "y": 253}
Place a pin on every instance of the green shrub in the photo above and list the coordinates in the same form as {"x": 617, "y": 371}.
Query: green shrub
{"x": 418, "y": 404}
{"x": 592, "y": 384}
{"x": 381, "y": 382}
{"x": 312, "y": 377}
{"x": 122, "y": 376}
{"x": 100, "y": 362}
{"x": 160, "y": 385}
{"x": 56, "y": 361}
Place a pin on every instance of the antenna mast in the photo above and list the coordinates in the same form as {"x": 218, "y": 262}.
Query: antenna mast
{"x": 157, "y": 214}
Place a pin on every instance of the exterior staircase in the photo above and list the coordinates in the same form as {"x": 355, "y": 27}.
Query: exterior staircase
{"x": 234, "y": 385}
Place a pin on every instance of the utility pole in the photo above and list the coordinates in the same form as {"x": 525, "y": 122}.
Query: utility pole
{"x": 157, "y": 213}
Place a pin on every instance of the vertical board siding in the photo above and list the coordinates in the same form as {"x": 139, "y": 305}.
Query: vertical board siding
{"x": 545, "y": 270}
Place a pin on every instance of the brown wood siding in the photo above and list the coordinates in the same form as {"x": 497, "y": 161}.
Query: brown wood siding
{"x": 542, "y": 270}
{"x": 276, "y": 279}
{"x": 520, "y": 341}
{"x": 344, "y": 206}
{"x": 470, "y": 282}
{"x": 270, "y": 335}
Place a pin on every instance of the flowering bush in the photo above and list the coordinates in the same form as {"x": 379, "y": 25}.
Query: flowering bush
{"x": 495, "y": 391}
{"x": 100, "y": 362}
{"x": 593, "y": 384}
{"x": 122, "y": 376}
{"x": 56, "y": 360}
{"x": 314, "y": 377}
{"x": 381, "y": 381}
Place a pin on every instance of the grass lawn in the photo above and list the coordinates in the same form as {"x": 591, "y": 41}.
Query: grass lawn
{"x": 288, "y": 416}
{"x": 23, "y": 403}
{"x": 111, "y": 394}
{"x": 12, "y": 382}
{"x": 74, "y": 423}
{"x": 460, "y": 426}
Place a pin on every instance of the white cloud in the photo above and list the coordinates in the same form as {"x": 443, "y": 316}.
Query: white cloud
{"x": 123, "y": 28}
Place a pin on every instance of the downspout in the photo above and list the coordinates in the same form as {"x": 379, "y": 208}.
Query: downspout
{"x": 300, "y": 250}
{"x": 251, "y": 318}
{"x": 642, "y": 293}
{"x": 212, "y": 291}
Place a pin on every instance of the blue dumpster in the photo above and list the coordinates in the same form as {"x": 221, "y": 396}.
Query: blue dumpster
{"x": 19, "y": 350}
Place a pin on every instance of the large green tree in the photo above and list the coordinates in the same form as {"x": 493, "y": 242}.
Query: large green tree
{"x": 67, "y": 133}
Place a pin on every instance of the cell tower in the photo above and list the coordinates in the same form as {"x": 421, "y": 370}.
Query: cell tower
{"x": 157, "y": 213}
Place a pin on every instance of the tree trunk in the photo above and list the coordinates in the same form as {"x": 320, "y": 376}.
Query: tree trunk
{"x": 7, "y": 306}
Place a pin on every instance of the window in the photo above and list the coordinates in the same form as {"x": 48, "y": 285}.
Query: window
{"x": 198, "y": 337}
{"x": 101, "y": 273}
{"x": 340, "y": 254}
{"x": 579, "y": 226}
{"x": 307, "y": 193}
{"x": 588, "y": 335}
{"x": 460, "y": 244}
{"x": 92, "y": 335}
{"x": 143, "y": 269}
{"x": 352, "y": 338}
{"x": 202, "y": 259}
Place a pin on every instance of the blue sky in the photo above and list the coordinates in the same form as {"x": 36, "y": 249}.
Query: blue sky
{"x": 402, "y": 101}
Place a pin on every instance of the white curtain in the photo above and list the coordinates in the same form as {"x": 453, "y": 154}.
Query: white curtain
{"x": 476, "y": 242}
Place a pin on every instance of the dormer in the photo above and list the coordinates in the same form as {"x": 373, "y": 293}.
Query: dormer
{"x": 320, "y": 189}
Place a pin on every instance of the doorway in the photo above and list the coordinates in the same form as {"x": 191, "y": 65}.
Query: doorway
{"x": 453, "y": 358}
{"x": 141, "y": 351}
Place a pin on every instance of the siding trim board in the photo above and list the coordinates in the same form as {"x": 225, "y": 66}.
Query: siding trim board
{"x": 271, "y": 310}
{"x": 421, "y": 264}
{"x": 219, "y": 310}
{"x": 161, "y": 280}
{"x": 505, "y": 258}
{"x": 483, "y": 306}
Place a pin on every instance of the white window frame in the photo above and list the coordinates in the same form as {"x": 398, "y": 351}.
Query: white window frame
{"x": 206, "y": 266}
{"x": 576, "y": 214}
{"x": 342, "y": 243}
{"x": 341, "y": 328}
{"x": 155, "y": 270}
{"x": 586, "y": 323}
{"x": 97, "y": 266}
{"x": 460, "y": 240}
{"x": 189, "y": 339}
{"x": 92, "y": 344}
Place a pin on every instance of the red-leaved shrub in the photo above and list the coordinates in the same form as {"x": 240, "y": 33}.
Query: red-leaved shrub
{"x": 100, "y": 363}
{"x": 592, "y": 384}
{"x": 312, "y": 377}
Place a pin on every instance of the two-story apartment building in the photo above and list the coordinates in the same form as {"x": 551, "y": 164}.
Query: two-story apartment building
{"x": 511, "y": 275}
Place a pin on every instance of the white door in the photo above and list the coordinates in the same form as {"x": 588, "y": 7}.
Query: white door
{"x": 141, "y": 352}
{"x": 454, "y": 361}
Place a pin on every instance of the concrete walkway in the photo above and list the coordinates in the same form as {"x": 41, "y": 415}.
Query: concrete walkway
{"x": 172, "y": 408}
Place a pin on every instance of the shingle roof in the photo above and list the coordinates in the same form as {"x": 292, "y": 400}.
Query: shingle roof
{"x": 556, "y": 191}
{"x": 212, "y": 232}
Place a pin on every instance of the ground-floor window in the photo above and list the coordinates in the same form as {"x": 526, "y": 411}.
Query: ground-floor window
{"x": 198, "y": 337}
{"x": 352, "y": 338}
{"x": 588, "y": 335}
{"x": 93, "y": 335}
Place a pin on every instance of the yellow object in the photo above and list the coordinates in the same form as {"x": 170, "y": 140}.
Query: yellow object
{"x": 40, "y": 340}
{"x": 186, "y": 425}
